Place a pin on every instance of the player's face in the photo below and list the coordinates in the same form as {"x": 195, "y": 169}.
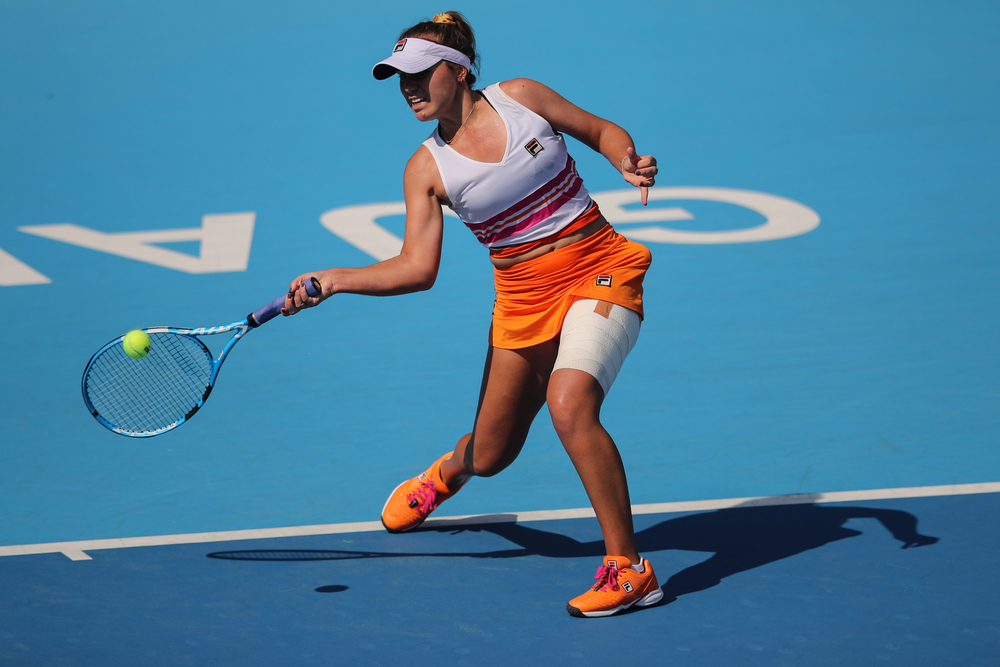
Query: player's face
{"x": 430, "y": 92}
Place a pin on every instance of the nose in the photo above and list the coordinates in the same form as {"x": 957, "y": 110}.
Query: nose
{"x": 407, "y": 84}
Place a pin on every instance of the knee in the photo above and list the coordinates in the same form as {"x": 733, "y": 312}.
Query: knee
{"x": 567, "y": 416}
{"x": 575, "y": 405}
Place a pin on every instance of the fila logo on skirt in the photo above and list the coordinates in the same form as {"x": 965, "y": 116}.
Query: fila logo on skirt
{"x": 604, "y": 280}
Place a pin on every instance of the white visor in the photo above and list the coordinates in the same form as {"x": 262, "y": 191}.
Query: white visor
{"x": 412, "y": 55}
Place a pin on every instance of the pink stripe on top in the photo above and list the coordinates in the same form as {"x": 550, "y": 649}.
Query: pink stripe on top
{"x": 532, "y": 210}
{"x": 533, "y": 192}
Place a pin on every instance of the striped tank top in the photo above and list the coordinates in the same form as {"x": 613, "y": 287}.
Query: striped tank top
{"x": 533, "y": 192}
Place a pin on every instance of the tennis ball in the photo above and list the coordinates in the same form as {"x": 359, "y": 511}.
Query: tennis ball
{"x": 136, "y": 344}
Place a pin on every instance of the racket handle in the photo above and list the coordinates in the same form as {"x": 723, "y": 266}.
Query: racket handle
{"x": 273, "y": 309}
{"x": 313, "y": 287}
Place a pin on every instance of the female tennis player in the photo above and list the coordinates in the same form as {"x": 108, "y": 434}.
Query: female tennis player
{"x": 569, "y": 288}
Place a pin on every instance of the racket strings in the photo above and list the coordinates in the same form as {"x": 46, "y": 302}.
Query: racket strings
{"x": 151, "y": 393}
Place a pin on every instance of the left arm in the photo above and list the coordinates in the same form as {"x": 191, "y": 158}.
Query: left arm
{"x": 601, "y": 135}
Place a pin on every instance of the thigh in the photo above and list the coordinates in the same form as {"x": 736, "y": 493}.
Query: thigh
{"x": 512, "y": 393}
{"x": 596, "y": 337}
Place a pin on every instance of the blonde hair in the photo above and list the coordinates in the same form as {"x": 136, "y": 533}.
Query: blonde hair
{"x": 450, "y": 29}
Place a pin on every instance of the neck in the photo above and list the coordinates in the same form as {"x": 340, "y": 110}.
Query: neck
{"x": 452, "y": 123}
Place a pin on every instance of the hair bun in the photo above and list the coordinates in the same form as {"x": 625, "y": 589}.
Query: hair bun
{"x": 445, "y": 18}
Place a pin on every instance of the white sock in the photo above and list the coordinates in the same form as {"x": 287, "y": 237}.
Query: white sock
{"x": 640, "y": 567}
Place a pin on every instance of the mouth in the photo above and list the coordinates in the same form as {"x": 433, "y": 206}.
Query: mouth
{"x": 414, "y": 100}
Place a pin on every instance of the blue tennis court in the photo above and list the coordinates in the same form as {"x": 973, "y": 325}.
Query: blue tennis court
{"x": 816, "y": 385}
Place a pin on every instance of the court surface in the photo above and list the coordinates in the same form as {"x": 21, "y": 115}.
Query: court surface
{"x": 817, "y": 384}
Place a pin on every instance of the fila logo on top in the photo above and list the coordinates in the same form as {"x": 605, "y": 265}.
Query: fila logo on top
{"x": 534, "y": 147}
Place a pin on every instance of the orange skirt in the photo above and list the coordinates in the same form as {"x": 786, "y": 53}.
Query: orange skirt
{"x": 533, "y": 297}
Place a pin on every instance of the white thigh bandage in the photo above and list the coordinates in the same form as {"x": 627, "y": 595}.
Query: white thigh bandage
{"x": 596, "y": 337}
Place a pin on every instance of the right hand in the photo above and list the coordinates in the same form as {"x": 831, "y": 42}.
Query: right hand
{"x": 298, "y": 298}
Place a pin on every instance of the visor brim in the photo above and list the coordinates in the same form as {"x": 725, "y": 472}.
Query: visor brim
{"x": 407, "y": 63}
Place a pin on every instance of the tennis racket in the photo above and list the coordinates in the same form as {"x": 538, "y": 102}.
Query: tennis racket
{"x": 141, "y": 398}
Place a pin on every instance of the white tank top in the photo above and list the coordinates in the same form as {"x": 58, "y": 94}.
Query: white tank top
{"x": 533, "y": 192}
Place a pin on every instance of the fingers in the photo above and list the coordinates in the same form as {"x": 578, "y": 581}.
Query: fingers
{"x": 291, "y": 307}
{"x": 640, "y": 171}
{"x": 631, "y": 158}
{"x": 300, "y": 297}
{"x": 646, "y": 168}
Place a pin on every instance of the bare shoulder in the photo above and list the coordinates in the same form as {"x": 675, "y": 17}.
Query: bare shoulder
{"x": 422, "y": 176}
{"x": 421, "y": 159}
{"x": 536, "y": 96}
{"x": 561, "y": 114}
{"x": 421, "y": 166}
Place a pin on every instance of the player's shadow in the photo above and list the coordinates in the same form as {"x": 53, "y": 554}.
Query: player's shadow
{"x": 739, "y": 539}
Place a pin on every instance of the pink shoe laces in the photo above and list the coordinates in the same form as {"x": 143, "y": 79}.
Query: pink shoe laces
{"x": 424, "y": 497}
{"x": 607, "y": 578}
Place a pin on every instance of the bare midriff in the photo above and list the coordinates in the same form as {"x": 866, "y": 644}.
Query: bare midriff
{"x": 509, "y": 256}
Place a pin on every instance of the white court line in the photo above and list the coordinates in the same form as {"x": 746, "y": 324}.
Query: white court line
{"x": 78, "y": 550}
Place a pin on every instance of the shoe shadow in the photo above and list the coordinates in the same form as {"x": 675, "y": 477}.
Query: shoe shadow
{"x": 739, "y": 539}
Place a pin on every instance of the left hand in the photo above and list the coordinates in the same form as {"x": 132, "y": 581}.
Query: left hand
{"x": 640, "y": 171}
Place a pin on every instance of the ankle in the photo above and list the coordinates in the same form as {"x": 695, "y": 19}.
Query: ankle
{"x": 452, "y": 473}
{"x": 634, "y": 563}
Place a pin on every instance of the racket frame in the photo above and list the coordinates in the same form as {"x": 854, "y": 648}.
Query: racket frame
{"x": 241, "y": 328}
{"x": 251, "y": 321}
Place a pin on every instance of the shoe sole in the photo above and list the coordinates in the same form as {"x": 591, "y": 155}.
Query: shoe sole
{"x": 645, "y": 601}
{"x": 396, "y": 530}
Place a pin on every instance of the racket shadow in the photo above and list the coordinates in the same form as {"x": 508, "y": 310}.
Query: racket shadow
{"x": 441, "y": 525}
{"x": 738, "y": 539}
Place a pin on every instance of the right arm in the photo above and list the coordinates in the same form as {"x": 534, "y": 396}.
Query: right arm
{"x": 414, "y": 269}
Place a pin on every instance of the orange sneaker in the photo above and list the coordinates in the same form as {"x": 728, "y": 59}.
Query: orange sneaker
{"x": 617, "y": 589}
{"x": 416, "y": 498}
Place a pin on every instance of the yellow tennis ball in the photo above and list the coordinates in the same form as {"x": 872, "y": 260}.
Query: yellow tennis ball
{"x": 136, "y": 344}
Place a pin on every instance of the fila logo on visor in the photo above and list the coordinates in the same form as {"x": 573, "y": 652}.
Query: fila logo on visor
{"x": 534, "y": 147}
{"x": 399, "y": 46}
{"x": 604, "y": 280}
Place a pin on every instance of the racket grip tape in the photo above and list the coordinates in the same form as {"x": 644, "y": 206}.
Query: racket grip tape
{"x": 313, "y": 286}
{"x": 273, "y": 309}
